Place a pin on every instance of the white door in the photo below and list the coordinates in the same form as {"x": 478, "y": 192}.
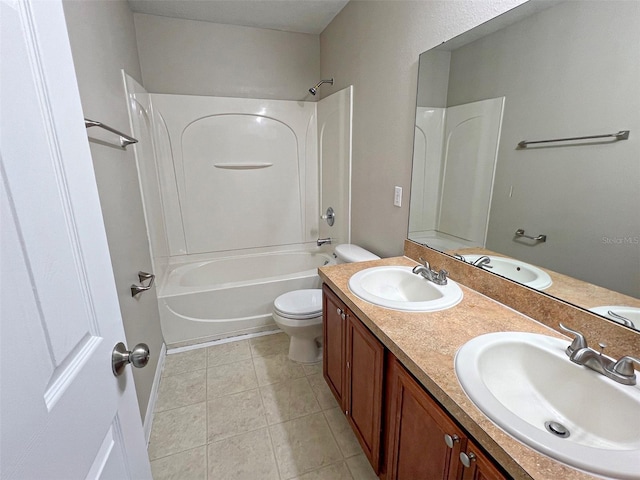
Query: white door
{"x": 64, "y": 415}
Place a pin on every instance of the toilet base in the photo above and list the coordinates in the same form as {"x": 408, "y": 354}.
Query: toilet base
{"x": 305, "y": 350}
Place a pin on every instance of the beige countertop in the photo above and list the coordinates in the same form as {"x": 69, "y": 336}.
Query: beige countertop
{"x": 426, "y": 344}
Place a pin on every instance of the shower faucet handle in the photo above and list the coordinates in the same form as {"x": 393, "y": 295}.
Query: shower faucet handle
{"x": 329, "y": 216}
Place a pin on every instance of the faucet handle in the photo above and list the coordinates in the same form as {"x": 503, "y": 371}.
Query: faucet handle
{"x": 578, "y": 343}
{"x": 624, "y": 366}
{"x": 425, "y": 262}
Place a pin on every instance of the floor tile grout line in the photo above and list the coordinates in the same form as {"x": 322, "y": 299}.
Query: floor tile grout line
{"x": 179, "y": 453}
{"x": 268, "y": 427}
{"x": 343, "y": 461}
{"x": 186, "y": 449}
{"x": 333, "y": 435}
{"x": 349, "y": 468}
{"x": 239, "y": 434}
{"x": 180, "y": 373}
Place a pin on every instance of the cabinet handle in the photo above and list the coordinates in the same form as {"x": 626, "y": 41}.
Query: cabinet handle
{"x": 451, "y": 439}
{"x": 341, "y": 313}
{"x": 467, "y": 459}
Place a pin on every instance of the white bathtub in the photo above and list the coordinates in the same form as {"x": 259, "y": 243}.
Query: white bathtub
{"x": 231, "y": 296}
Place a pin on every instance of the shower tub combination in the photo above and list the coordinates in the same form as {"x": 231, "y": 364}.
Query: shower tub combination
{"x": 225, "y": 297}
{"x": 213, "y": 170}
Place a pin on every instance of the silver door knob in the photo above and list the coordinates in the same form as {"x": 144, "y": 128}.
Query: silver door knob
{"x": 138, "y": 357}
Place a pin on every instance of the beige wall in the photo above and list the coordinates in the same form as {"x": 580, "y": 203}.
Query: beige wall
{"x": 103, "y": 42}
{"x": 374, "y": 46}
{"x": 202, "y": 58}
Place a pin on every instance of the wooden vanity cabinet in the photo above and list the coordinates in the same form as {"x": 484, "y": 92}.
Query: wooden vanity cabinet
{"x": 417, "y": 427}
{"x": 417, "y": 436}
{"x": 355, "y": 364}
{"x": 353, "y": 368}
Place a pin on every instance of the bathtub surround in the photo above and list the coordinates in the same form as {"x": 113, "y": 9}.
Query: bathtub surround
{"x": 231, "y": 192}
{"x": 244, "y": 172}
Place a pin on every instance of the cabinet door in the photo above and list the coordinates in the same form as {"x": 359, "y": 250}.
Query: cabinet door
{"x": 417, "y": 427}
{"x": 480, "y": 467}
{"x": 365, "y": 356}
{"x": 333, "y": 333}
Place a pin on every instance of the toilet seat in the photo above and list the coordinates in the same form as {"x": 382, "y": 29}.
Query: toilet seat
{"x": 299, "y": 304}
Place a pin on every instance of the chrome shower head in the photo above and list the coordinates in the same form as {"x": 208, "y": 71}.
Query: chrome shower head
{"x": 314, "y": 90}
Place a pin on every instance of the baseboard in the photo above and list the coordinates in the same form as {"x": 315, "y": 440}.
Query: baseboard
{"x": 153, "y": 397}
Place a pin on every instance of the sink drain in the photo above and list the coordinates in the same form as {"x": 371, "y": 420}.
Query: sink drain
{"x": 557, "y": 429}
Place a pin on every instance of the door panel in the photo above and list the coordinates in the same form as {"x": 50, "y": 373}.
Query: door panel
{"x": 365, "y": 356}
{"x": 333, "y": 355}
{"x": 416, "y": 433}
{"x": 60, "y": 315}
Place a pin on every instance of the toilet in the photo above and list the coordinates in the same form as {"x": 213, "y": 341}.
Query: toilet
{"x": 299, "y": 313}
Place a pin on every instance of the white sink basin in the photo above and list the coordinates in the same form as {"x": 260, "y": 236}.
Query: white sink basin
{"x": 516, "y": 270}
{"x": 399, "y": 288}
{"x": 632, "y": 314}
{"x": 522, "y": 380}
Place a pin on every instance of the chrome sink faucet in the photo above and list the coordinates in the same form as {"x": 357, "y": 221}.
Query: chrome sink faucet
{"x": 439, "y": 278}
{"x": 483, "y": 262}
{"x": 622, "y": 371}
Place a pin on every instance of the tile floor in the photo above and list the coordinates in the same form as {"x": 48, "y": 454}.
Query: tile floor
{"x": 243, "y": 410}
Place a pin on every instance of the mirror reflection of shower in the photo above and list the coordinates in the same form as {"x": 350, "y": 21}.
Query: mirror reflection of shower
{"x": 314, "y": 90}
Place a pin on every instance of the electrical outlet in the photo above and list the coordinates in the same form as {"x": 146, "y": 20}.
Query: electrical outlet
{"x": 397, "y": 197}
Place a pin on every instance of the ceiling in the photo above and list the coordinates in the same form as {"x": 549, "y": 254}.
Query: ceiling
{"x": 303, "y": 16}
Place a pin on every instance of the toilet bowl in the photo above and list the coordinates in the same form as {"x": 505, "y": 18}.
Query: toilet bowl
{"x": 299, "y": 313}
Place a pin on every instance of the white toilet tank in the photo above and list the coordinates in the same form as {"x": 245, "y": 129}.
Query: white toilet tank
{"x": 349, "y": 253}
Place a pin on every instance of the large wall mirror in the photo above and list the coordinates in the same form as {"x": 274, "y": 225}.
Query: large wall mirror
{"x": 566, "y": 213}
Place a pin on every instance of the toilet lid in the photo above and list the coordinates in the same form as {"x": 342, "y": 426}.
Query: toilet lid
{"x": 300, "y": 303}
